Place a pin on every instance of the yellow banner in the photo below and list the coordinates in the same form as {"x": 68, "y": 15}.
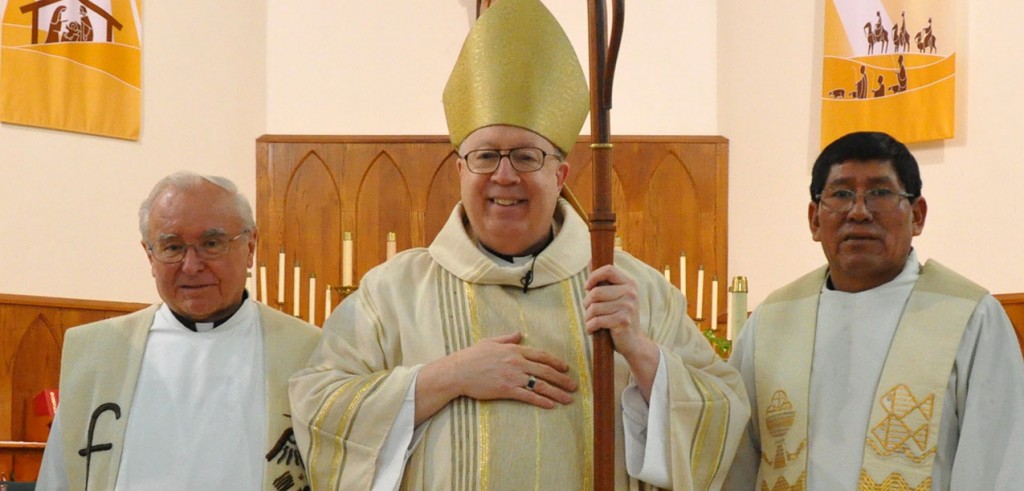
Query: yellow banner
{"x": 72, "y": 65}
{"x": 889, "y": 65}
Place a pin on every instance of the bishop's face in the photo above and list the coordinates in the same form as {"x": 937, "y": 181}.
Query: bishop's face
{"x": 202, "y": 290}
{"x": 510, "y": 211}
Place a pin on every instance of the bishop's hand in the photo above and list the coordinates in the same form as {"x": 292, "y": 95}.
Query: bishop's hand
{"x": 494, "y": 368}
{"x": 612, "y": 303}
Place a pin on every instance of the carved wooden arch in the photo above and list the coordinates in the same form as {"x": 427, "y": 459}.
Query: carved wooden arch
{"x": 670, "y": 194}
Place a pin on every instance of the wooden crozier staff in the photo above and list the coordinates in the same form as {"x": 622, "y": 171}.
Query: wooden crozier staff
{"x": 602, "y": 226}
{"x": 602, "y": 222}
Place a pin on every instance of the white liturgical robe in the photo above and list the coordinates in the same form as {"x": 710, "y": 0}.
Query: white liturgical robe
{"x": 198, "y": 414}
{"x": 981, "y": 430}
{"x": 426, "y": 303}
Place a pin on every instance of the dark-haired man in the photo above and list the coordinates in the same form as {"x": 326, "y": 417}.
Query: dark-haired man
{"x": 875, "y": 372}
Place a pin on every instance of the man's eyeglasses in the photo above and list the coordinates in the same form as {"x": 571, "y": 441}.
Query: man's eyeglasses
{"x": 523, "y": 159}
{"x": 876, "y": 200}
{"x": 212, "y": 247}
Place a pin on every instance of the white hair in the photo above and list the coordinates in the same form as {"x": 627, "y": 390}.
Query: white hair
{"x": 185, "y": 180}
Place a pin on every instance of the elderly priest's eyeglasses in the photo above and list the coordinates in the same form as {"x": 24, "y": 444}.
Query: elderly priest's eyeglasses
{"x": 211, "y": 247}
{"x": 523, "y": 159}
{"x": 876, "y": 200}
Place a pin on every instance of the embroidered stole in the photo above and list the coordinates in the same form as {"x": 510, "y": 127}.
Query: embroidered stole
{"x": 904, "y": 424}
{"x": 100, "y": 367}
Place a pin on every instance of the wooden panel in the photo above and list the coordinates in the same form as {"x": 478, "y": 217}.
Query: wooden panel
{"x": 670, "y": 195}
{"x": 1013, "y": 303}
{"x": 31, "y": 336}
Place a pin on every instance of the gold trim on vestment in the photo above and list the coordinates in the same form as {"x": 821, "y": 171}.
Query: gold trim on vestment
{"x": 937, "y": 310}
{"x": 781, "y": 484}
{"x": 894, "y": 482}
{"x": 455, "y": 324}
{"x": 586, "y": 397}
{"x": 537, "y": 434}
{"x": 346, "y": 420}
{"x": 314, "y": 427}
{"x": 485, "y": 409}
{"x": 349, "y": 415}
{"x": 343, "y": 426}
{"x": 709, "y": 438}
{"x": 906, "y": 421}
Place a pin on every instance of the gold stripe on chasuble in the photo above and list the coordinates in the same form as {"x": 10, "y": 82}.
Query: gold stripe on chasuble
{"x": 457, "y": 331}
{"x": 355, "y": 390}
{"x": 712, "y": 426}
{"x": 581, "y": 362}
{"x": 498, "y": 438}
{"x": 484, "y": 408}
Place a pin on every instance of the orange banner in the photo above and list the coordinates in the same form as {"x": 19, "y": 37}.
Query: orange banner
{"x": 889, "y": 66}
{"x": 72, "y": 65}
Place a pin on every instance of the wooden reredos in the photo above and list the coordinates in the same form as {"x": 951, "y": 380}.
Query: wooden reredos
{"x": 670, "y": 196}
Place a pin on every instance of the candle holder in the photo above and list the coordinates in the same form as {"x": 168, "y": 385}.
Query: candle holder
{"x": 344, "y": 291}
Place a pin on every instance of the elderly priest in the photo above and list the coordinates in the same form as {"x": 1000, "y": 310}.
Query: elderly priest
{"x": 190, "y": 393}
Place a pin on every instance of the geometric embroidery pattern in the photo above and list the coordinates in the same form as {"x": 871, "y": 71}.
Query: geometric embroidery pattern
{"x": 782, "y": 485}
{"x": 904, "y": 429}
{"x": 778, "y": 418}
{"x": 895, "y": 482}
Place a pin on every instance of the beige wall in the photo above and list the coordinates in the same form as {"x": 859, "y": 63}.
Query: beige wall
{"x": 68, "y": 202}
{"x": 358, "y": 67}
{"x": 768, "y": 72}
{"x": 218, "y": 76}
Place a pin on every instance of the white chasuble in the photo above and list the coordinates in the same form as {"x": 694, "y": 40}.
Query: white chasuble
{"x": 853, "y": 409}
{"x": 903, "y": 425}
{"x": 425, "y": 304}
{"x": 158, "y": 406}
{"x": 208, "y": 381}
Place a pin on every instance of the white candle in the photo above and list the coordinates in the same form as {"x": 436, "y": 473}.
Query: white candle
{"x": 327, "y": 303}
{"x": 263, "y": 283}
{"x": 738, "y": 312}
{"x": 714, "y": 303}
{"x": 312, "y": 299}
{"x": 346, "y": 259}
{"x": 682, "y": 273}
{"x": 392, "y": 246}
{"x": 729, "y": 314}
{"x": 668, "y": 274}
{"x": 700, "y": 293}
{"x": 296, "y": 289}
{"x": 250, "y": 284}
{"x": 618, "y": 243}
{"x": 280, "y": 279}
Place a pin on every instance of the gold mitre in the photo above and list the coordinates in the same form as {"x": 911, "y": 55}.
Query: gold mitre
{"x": 517, "y": 68}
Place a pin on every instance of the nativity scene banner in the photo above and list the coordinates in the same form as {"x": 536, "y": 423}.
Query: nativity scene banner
{"x": 889, "y": 66}
{"x": 72, "y": 65}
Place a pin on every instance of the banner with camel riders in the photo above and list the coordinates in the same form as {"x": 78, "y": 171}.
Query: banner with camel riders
{"x": 72, "y": 65}
{"x": 889, "y": 66}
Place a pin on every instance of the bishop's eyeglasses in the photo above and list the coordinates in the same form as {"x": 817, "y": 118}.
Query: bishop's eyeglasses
{"x": 523, "y": 159}
{"x": 210, "y": 247}
{"x": 876, "y": 200}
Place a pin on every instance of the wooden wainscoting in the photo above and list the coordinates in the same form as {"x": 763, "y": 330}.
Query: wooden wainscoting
{"x": 670, "y": 195}
{"x": 31, "y": 336}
